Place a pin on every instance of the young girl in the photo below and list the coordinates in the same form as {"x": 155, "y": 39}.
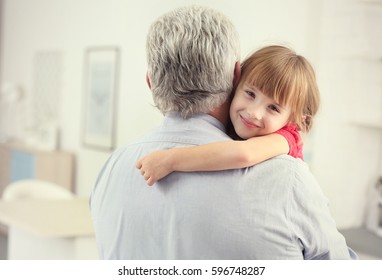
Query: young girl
{"x": 277, "y": 97}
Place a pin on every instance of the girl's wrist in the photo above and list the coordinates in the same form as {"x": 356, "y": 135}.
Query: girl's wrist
{"x": 172, "y": 160}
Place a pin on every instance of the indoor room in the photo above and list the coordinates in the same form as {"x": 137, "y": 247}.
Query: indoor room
{"x": 73, "y": 90}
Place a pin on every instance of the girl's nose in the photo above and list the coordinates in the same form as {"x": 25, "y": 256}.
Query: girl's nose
{"x": 256, "y": 113}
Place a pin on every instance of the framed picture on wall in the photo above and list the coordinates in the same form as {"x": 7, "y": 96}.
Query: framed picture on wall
{"x": 100, "y": 92}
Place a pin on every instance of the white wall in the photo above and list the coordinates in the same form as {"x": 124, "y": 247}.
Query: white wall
{"x": 310, "y": 27}
{"x": 347, "y": 156}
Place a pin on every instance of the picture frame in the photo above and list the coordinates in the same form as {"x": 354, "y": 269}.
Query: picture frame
{"x": 100, "y": 88}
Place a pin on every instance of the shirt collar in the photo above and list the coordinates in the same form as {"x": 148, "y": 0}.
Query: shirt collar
{"x": 202, "y": 116}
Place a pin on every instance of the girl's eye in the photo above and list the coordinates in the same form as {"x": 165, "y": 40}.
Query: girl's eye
{"x": 274, "y": 108}
{"x": 251, "y": 94}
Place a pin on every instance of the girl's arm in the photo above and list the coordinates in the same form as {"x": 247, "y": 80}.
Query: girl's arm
{"x": 211, "y": 157}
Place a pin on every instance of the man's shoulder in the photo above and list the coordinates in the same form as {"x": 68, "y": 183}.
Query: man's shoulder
{"x": 285, "y": 163}
{"x": 296, "y": 174}
{"x": 286, "y": 171}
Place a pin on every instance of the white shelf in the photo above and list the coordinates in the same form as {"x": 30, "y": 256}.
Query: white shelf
{"x": 366, "y": 124}
{"x": 372, "y": 1}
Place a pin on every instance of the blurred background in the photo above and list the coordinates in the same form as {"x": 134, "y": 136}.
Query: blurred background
{"x": 49, "y": 52}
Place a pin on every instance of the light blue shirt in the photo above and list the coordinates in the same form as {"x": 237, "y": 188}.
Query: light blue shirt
{"x": 273, "y": 210}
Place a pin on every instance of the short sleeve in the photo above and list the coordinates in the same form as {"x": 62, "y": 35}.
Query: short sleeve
{"x": 294, "y": 139}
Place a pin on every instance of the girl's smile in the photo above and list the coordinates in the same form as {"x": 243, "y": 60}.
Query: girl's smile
{"x": 248, "y": 123}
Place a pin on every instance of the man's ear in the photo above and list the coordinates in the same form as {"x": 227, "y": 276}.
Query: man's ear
{"x": 148, "y": 80}
{"x": 236, "y": 74}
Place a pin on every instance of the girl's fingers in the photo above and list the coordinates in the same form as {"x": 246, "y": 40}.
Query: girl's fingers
{"x": 138, "y": 164}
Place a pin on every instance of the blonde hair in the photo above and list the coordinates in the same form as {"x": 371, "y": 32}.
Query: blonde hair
{"x": 287, "y": 78}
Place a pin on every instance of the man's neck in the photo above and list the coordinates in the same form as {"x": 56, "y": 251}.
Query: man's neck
{"x": 221, "y": 113}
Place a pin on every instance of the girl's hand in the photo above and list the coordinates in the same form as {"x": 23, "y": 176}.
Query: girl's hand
{"x": 155, "y": 166}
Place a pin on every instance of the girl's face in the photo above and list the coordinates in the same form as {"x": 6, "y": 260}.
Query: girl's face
{"x": 255, "y": 114}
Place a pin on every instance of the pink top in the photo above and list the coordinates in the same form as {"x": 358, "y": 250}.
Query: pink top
{"x": 294, "y": 139}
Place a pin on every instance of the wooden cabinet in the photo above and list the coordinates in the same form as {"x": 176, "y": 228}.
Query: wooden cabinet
{"x": 17, "y": 163}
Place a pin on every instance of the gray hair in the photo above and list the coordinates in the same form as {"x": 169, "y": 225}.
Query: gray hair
{"x": 191, "y": 54}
